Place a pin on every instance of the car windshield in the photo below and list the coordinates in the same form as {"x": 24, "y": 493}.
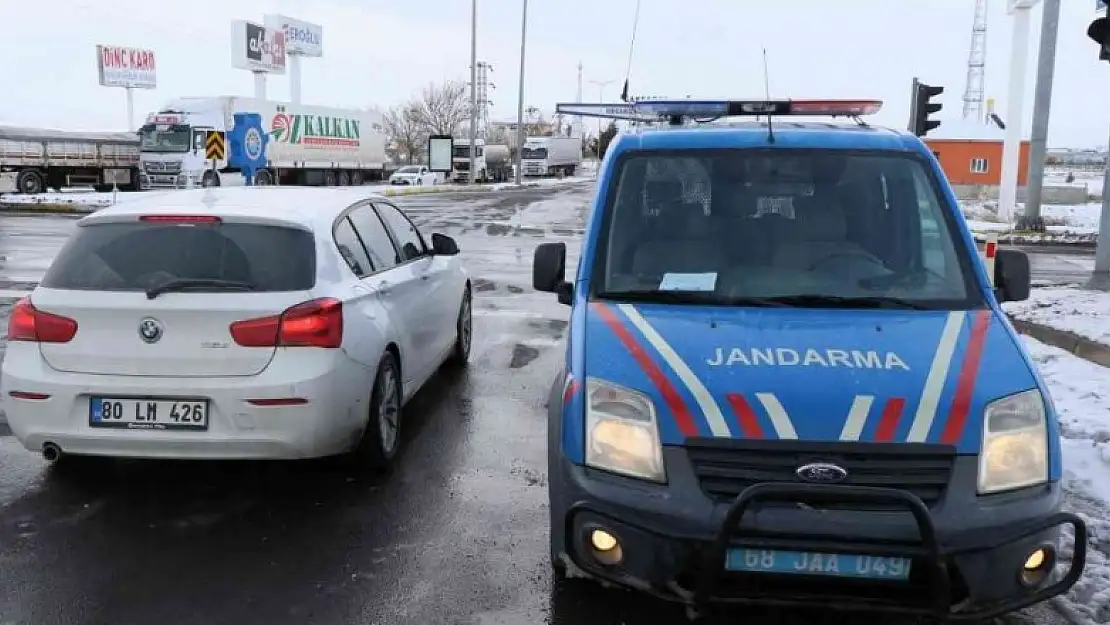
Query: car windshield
{"x": 824, "y": 227}
{"x": 138, "y": 256}
{"x": 176, "y": 139}
{"x": 409, "y": 170}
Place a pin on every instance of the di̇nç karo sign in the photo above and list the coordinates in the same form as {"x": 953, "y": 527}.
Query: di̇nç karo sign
{"x": 133, "y": 68}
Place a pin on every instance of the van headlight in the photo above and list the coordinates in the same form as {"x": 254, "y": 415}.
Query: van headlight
{"x": 622, "y": 434}
{"x": 1015, "y": 443}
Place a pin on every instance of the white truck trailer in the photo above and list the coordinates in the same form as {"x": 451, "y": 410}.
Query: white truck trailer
{"x": 39, "y": 159}
{"x": 303, "y": 145}
{"x": 549, "y": 156}
{"x": 492, "y": 163}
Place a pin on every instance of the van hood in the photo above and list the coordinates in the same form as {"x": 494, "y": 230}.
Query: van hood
{"x": 809, "y": 374}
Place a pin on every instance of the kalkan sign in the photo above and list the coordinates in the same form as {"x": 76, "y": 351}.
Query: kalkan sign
{"x": 315, "y": 131}
{"x": 126, "y": 67}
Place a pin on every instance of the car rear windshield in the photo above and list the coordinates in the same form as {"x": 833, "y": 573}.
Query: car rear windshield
{"x": 137, "y": 256}
{"x": 817, "y": 225}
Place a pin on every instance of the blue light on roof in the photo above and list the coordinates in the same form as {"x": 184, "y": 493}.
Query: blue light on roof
{"x": 685, "y": 108}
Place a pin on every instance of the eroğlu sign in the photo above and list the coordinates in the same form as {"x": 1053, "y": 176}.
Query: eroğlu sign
{"x": 132, "y": 68}
{"x": 301, "y": 38}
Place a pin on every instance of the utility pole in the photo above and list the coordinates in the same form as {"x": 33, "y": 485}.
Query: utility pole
{"x": 1015, "y": 103}
{"x": 473, "y": 84}
{"x": 520, "y": 93}
{"x": 1042, "y": 103}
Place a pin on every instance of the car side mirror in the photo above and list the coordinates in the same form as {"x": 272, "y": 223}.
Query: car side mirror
{"x": 549, "y": 266}
{"x": 443, "y": 245}
{"x": 1012, "y": 279}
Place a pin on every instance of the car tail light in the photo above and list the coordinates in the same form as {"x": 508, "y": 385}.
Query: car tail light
{"x": 182, "y": 219}
{"x": 315, "y": 323}
{"x": 27, "y": 323}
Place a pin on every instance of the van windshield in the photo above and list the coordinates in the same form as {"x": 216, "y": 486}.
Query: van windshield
{"x": 812, "y": 228}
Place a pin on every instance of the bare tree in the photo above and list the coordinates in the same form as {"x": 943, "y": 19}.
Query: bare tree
{"x": 443, "y": 108}
{"x": 406, "y": 133}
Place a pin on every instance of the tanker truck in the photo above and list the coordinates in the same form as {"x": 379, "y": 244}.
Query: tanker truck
{"x": 492, "y": 163}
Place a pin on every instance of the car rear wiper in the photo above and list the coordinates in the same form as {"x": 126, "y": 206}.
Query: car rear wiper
{"x": 837, "y": 301}
{"x": 184, "y": 284}
{"x": 671, "y": 296}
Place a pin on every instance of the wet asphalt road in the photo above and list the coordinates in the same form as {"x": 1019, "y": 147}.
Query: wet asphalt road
{"x": 456, "y": 535}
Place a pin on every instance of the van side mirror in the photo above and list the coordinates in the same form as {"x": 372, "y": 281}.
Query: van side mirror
{"x": 549, "y": 267}
{"x": 1012, "y": 278}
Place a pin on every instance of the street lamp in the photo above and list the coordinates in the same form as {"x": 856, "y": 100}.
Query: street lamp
{"x": 601, "y": 84}
{"x": 473, "y": 83}
{"x": 520, "y": 93}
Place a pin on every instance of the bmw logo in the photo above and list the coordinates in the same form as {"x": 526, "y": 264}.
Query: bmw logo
{"x": 150, "y": 330}
{"x": 252, "y": 143}
{"x": 821, "y": 473}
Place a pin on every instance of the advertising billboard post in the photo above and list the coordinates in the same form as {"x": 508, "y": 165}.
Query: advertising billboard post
{"x": 130, "y": 68}
{"x": 302, "y": 39}
{"x": 259, "y": 50}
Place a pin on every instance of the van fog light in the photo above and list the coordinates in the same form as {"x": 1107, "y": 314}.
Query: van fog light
{"x": 606, "y": 548}
{"x": 1038, "y": 565}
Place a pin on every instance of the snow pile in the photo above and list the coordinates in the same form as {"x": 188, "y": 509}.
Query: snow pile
{"x": 1085, "y": 313}
{"x": 1091, "y": 180}
{"x": 1060, "y": 219}
{"x": 1081, "y": 393}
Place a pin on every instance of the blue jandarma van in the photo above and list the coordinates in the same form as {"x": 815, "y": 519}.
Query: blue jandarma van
{"x": 788, "y": 379}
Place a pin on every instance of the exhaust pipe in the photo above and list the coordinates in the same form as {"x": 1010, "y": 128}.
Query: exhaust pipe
{"x": 51, "y": 452}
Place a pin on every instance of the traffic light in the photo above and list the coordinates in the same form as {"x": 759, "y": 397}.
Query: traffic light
{"x": 1099, "y": 31}
{"x": 921, "y": 108}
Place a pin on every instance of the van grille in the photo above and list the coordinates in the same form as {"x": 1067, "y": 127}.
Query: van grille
{"x": 724, "y": 468}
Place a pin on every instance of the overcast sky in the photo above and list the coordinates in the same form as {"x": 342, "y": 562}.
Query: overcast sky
{"x": 380, "y": 52}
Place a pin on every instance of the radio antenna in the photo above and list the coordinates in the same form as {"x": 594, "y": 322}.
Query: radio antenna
{"x": 767, "y": 90}
{"x": 631, "y": 47}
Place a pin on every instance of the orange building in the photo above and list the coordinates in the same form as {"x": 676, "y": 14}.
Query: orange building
{"x": 971, "y": 154}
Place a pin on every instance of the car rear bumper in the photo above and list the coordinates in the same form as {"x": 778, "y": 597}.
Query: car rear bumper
{"x": 966, "y": 564}
{"x": 335, "y": 388}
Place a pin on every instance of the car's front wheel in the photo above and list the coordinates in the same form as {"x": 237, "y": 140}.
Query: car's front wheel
{"x": 380, "y": 439}
{"x": 464, "y": 332}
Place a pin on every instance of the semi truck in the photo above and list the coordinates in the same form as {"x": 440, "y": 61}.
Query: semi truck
{"x": 492, "y": 163}
{"x": 36, "y": 159}
{"x": 303, "y": 145}
{"x": 549, "y": 156}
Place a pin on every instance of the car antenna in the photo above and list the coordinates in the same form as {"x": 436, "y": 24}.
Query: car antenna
{"x": 767, "y": 90}
{"x": 631, "y": 48}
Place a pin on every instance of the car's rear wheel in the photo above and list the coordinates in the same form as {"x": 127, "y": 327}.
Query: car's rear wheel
{"x": 464, "y": 332}
{"x": 379, "y": 442}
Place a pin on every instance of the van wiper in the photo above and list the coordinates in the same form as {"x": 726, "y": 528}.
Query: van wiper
{"x": 837, "y": 301}
{"x": 184, "y": 284}
{"x": 671, "y": 296}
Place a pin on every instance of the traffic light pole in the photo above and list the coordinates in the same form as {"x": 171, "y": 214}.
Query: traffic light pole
{"x": 1100, "y": 277}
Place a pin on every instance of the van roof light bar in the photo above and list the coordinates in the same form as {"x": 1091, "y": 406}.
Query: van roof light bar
{"x": 675, "y": 111}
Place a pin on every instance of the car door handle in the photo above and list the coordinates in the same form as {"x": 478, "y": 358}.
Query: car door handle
{"x": 384, "y": 288}
{"x": 424, "y": 277}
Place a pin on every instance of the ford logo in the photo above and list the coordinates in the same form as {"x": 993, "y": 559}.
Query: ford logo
{"x": 821, "y": 473}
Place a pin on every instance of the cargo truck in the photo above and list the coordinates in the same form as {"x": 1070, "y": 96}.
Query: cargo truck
{"x": 550, "y": 156}
{"x": 304, "y": 145}
{"x": 492, "y": 163}
{"x": 36, "y": 159}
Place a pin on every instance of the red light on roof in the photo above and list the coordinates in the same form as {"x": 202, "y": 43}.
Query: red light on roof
{"x": 182, "y": 219}
{"x": 835, "y": 107}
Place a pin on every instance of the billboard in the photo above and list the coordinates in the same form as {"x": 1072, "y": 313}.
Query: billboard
{"x": 133, "y": 68}
{"x": 301, "y": 38}
{"x": 256, "y": 48}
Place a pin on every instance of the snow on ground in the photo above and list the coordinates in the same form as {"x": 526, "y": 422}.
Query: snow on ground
{"x": 1059, "y": 218}
{"x": 1082, "y": 312}
{"x": 95, "y": 199}
{"x": 1090, "y": 179}
{"x": 1081, "y": 392}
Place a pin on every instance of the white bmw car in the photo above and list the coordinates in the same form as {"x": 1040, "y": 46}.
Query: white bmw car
{"x": 255, "y": 322}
